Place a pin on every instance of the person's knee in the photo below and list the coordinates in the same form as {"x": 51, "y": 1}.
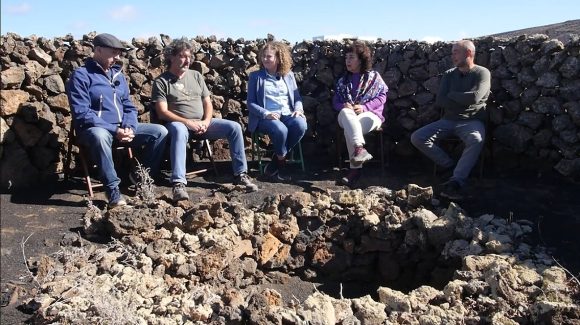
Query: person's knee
{"x": 344, "y": 113}
{"x": 177, "y": 130}
{"x": 99, "y": 137}
{"x": 235, "y": 128}
{"x": 302, "y": 125}
{"x": 161, "y": 131}
{"x": 416, "y": 139}
{"x": 475, "y": 139}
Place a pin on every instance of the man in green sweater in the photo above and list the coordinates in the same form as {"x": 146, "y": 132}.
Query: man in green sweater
{"x": 462, "y": 94}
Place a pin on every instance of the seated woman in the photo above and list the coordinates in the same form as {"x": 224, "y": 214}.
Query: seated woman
{"x": 360, "y": 96}
{"x": 275, "y": 105}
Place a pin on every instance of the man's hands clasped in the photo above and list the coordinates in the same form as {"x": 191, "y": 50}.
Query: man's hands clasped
{"x": 197, "y": 126}
{"x": 125, "y": 135}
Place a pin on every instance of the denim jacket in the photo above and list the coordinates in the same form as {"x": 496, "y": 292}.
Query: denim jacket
{"x": 257, "y": 97}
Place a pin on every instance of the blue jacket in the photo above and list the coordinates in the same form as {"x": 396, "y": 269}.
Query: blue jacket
{"x": 98, "y": 99}
{"x": 257, "y": 97}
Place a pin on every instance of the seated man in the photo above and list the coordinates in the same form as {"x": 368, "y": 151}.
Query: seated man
{"x": 462, "y": 94}
{"x": 182, "y": 100}
{"x": 103, "y": 114}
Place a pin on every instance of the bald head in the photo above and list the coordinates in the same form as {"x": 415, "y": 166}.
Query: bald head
{"x": 466, "y": 45}
{"x": 463, "y": 54}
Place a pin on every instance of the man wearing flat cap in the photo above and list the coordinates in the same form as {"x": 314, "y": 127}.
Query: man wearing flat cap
{"x": 103, "y": 114}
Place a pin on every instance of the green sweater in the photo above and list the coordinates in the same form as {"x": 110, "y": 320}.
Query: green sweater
{"x": 463, "y": 95}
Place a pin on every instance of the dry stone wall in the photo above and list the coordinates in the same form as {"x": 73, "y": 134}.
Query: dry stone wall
{"x": 534, "y": 107}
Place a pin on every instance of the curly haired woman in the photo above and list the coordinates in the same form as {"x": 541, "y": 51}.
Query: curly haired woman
{"x": 275, "y": 105}
{"x": 359, "y": 96}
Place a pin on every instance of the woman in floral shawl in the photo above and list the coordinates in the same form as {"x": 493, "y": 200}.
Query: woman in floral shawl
{"x": 360, "y": 96}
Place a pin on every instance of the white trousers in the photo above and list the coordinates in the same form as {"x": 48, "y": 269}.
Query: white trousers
{"x": 355, "y": 127}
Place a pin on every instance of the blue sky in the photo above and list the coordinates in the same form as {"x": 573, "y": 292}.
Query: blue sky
{"x": 292, "y": 20}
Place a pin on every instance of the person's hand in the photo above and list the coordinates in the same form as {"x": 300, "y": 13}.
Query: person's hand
{"x": 273, "y": 116}
{"x": 125, "y": 135}
{"x": 358, "y": 108}
{"x": 298, "y": 113}
{"x": 203, "y": 125}
{"x": 195, "y": 126}
{"x": 348, "y": 106}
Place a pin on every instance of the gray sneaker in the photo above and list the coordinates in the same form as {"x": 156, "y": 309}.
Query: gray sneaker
{"x": 115, "y": 198}
{"x": 244, "y": 179}
{"x": 360, "y": 155}
{"x": 179, "y": 192}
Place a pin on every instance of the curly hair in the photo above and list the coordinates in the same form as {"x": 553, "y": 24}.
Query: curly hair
{"x": 363, "y": 52}
{"x": 174, "y": 48}
{"x": 282, "y": 55}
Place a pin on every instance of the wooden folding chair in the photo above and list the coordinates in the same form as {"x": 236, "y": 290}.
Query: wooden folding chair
{"x": 72, "y": 141}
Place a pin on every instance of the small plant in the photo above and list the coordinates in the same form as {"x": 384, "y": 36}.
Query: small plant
{"x": 145, "y": 189}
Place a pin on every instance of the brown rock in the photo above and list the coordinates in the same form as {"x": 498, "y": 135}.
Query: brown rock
{"x": 28, "y": 133}
{"x": 10, "y": 101}
{"x": 196, "y": 220}
{"x": 39, "y": 55}
{"x": 15, "y": 168}
{"x": 12, "y": 77}
{"x": 269, "y": 247}
{"x": 59, "y": 102}
{"x": 54, "y": 84}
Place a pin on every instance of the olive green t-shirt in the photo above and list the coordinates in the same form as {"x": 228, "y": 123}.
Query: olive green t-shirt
{"x": 463, "y": 95}
{"x": 183, "y": 96}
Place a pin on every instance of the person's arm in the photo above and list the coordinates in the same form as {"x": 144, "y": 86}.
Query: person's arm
{"x": 207, "y": 110}
{"x": 377, "y": 104}
{"x": 476, "y": 94}
{"x": 129, "y": 109}
{"x": 80, "y": 104}
{"x": 252, "y": 101}
{"x": 442, "y": 100}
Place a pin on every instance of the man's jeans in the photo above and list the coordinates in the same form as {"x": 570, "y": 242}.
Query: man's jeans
{"x": 218, "y": 129}
{"x": 471, "y": 132}
{"x": 285, "y": 132}
{"x": 99, "y": 142}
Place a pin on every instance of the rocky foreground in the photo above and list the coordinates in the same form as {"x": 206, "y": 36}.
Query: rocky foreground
{"x": 207, "y": 262}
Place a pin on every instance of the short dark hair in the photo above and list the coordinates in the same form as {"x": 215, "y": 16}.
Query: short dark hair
{"x": 363, "y": 52}
{"x": 174, "y": 48}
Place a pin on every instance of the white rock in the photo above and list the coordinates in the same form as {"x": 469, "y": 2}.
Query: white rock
{"x": 395, "y": 300}
{"x": 318, "y": 309}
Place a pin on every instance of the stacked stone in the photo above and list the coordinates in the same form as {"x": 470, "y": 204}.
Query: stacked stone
{"x": 534, "y": 107}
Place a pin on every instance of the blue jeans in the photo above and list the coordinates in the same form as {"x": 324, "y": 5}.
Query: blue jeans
{"x": 218, "y": 129}
{"x": 99, "y": 142}
{"x": 471, "y": 132}
{"x": 284, "y": 133}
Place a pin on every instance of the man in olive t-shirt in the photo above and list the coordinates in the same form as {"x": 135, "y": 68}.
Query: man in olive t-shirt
{"x": 462, "y": 94}
{"x": 182, "y": 100}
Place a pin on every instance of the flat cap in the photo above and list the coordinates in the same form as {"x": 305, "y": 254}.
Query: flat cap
{"x": 108, "y": 40}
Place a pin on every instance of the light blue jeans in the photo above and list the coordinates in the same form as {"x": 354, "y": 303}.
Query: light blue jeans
{"x": 217, "y": 129}
{"x": 284, "y": 133}
{"x": 99, "y": 142}
{"x": 471, "y": 132}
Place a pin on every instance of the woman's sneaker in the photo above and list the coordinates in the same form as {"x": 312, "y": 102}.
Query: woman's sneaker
{"x": 179, "y": 192}
{"x": 115, "y": 198}
{"x": 361, "y": 155}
